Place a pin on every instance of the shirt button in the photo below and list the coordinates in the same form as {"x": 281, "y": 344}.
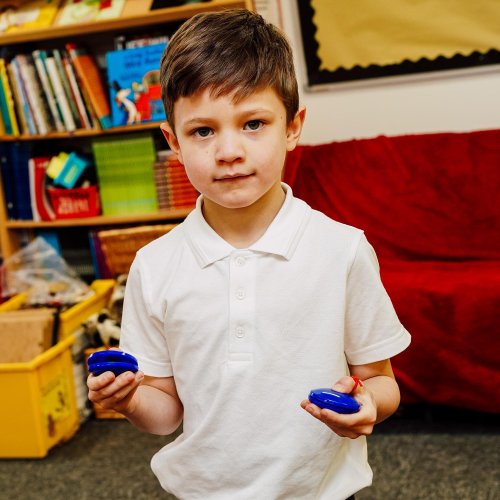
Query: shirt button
{"x": 240, "y": 293}
{"x": 240, "y": 332}
{"x": 240, "y": 261}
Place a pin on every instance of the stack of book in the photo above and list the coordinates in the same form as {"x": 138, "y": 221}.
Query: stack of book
{"x": 173, "y": 188}
{"x": 125, "y": 172}
{"x": 57, "y": 90}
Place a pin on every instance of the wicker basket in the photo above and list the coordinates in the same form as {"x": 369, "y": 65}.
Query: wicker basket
{"x": 119, "y": 246}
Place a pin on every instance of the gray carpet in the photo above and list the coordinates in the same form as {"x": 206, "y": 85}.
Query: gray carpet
{"x": 420, "y": 453}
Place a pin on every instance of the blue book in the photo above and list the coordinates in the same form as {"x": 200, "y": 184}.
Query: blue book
{"x": 134, "y": 85}
{"x": 8, "y": 181}
{"x": 20, "y": 156}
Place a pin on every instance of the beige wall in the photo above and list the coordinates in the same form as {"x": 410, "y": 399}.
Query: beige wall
{"x": 460, "y": 100}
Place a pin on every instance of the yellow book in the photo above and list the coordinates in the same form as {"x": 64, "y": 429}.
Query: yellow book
{"x": 23, "y": 15}
{"x": 4, "y": 80}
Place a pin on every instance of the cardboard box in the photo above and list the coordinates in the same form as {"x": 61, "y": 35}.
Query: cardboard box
{"x": 25, "y": 334}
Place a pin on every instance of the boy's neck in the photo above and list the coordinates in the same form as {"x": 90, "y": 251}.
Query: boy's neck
{"x": 241, "y": 227}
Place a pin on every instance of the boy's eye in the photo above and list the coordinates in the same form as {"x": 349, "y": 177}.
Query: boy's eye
{"x": 202, "y": 132}
{"x": 254, "y": 125}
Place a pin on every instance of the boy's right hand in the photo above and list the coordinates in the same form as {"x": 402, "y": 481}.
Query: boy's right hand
{"x": 114, "y": 392}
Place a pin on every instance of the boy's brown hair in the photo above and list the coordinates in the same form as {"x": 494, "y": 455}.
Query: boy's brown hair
{"x": 229, "y": 51}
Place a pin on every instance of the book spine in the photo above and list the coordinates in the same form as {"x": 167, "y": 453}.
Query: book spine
{"x": 4, "y": 110}
{"x": 8, "y": 97}
{"x": 66, "y": 86}
{"x": 26, "y": 110}
{"x": 77, "y": 96}
{"x": 31, "y": 87}
{"x": 20, "y": 158}
{"x": 18, "y": 101}
{"x": 40, "y": 204}
{"x": 34, "y": 208}
{"x": 69, "y": 123}
{"x": 88, "y": 72}
{"x": 8, "y": 182}
{"x": 48, "y": 90}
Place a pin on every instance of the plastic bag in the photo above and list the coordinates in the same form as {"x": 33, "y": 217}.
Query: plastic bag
{"x": 44, "y": 275}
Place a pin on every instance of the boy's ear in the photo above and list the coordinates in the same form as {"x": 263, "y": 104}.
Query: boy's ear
{"x": 295, "y": 128}
{"x": 169, "y": 135}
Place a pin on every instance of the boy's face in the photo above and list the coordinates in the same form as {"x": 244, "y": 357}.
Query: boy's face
{"x": 233, "y": 152}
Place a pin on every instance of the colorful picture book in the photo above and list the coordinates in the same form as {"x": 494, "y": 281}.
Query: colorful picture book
{"x": 134, "y": 84}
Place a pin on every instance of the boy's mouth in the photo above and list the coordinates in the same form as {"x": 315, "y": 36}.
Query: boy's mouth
{"x": 232, "y": 177}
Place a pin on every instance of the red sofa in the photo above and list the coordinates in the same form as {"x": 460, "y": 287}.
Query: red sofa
{"x": 429, "y": 204}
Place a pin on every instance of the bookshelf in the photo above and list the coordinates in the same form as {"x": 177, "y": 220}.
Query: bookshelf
{"x": 136, "y": 15}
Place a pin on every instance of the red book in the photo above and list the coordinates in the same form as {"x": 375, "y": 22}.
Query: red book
{"x": 40, "y": 204}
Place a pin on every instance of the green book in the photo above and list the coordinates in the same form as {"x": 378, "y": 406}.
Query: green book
{"x": 125, "y": 169}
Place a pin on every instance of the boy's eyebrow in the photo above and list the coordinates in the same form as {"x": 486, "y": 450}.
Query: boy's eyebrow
{"x": 241, "y": 114}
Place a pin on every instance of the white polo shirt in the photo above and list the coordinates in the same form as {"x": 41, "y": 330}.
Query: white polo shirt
{"x": 247, "y": 333}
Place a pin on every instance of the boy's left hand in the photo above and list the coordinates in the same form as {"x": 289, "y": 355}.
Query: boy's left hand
{"x": 355, "y": 424}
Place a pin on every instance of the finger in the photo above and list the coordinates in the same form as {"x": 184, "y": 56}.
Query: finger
{"x": 96, "y": 383}
{"x": 311, "y": 409}
{"x": 345, "y": 384}
{"x": 109, "y": 390}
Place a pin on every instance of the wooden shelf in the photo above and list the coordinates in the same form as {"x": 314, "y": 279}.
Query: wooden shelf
{"x": 145, "y": 18}
{"x": 81, "y": 133}
{"x": 165, "y": 215}
{"x": 136, "y": 14}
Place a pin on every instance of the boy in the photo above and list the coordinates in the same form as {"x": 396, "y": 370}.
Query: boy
{"x": 255, "y": 299}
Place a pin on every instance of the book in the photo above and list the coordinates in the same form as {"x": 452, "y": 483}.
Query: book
{"x": 56, "y": 164}
{"x": 126, "y": 175}
{"x": 26, "y": 15}
{"x": 8, "y": 181}
{"x": 55, "y": 80}
{"x": 83, "y": 114}
{"x": 18, "y": 100}
{"x": 40, "y": 204}
{"x": 66, "y": 86}
{"x": 19, "y": 156}
{"x": 2, "y": 127}
{"x": 101, "y": 269}
{"x": 134, "y": 84}
{"x": 4, "y": 110}
{"x": 9, "y": 97}
{"x": 24, "y": 110}
{"x": 76, "y": 11}
{"x": 89, "y": 76}
{"x": 33, "y": 92}
{"x": 39, "y": 57}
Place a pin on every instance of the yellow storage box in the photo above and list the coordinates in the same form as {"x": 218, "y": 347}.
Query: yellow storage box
{"x": 39, "y": 407}
{"x": 72, "y": 318}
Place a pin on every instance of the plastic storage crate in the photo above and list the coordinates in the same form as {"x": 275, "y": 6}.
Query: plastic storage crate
{"x": 39, "y": 408}
{"x": 38, "y": 403}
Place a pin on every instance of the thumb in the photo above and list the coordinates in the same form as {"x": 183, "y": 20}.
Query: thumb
{"x": 345, "y": 385}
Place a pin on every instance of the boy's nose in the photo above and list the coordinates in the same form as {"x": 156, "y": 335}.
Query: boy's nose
{"x": 229, "y": 148}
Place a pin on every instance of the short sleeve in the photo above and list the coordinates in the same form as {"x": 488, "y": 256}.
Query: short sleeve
{"x": 373, "y": 331}
{"x": 141, "y": 330}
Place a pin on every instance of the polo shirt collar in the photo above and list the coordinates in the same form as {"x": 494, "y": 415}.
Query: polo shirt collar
{"x": 281, "y": 237}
